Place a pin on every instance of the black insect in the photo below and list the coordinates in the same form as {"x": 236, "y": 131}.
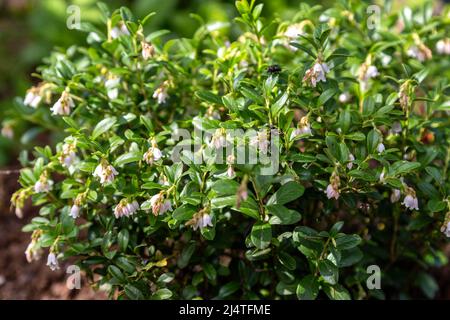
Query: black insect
{"x": 274, "y": 69}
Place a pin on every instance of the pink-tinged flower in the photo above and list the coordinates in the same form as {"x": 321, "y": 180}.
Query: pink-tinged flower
{"x": 68, "y": 155}
{"x": 230, "y": 171}
{"x": 33, "y": 251}
{"x": 153, "y": 154}
{"x": 7, "y": 131}
{"x": 230, "y": 162}
{"x": 203, "y": 222}
{"x": 372, "y": 72}
{"x": 344, "y": 97}
{"x": 212, "y": 114}
{"x": 163, "y": 181}
{"x": 351, "y": 158}
{"x": 125, "y": 208}
{"x": 380, "y": 147}
{"x": 147, "y": 50}
{"x": 218, "y": 139}
{"x": 332, "y": 192}
{"x": 293, "y": 31}
{"x": 19, "y": 212}
{"x": 43, "y": 184}
{"x": 119, "y": 30}
{"x": 105, "y": 172}
{"x": 410, "y": 202}
{"x": 75, "y": 211}
{"x": 385, "y": 59}
{"x": 200, "y": 220}
{"x": 32, "y": 98}
{"x": 365, "y": 73}
{"x": 443, "y": 46}
{"x": 333, "y": 187}
{"x": 63, "y": 105}
{"x": 420, "y": 52}
{"x": 112, "y": 86}
{"x": 160, "y": 93}
{"x": 52, "y": 261}
{"x": 316, "y": 73}
{"x": 242, "y": 193}
{"x": 303, "y": 127}
{"x": 446, "y": 229}
{"x": 261, "y": 141}
{"x": 159, "y": 204}
{"x": 395, "y": 195}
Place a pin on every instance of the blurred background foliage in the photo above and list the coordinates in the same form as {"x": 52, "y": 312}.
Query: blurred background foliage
{"x": 30, "y": 29}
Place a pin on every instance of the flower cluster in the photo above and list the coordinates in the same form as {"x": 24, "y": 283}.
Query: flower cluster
{"x": 105, "y": 172}
{"x": 126, "y": 208}
{"x": 316, "y": 73}
{"x": 160, "y": 204}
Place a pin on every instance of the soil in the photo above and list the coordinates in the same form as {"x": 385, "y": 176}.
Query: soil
{"x": 20, "y": 279}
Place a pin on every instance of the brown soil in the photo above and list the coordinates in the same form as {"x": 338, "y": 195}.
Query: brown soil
{"x": 20, "y": 279}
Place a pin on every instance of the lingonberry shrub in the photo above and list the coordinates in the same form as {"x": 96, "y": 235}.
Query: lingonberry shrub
{"x": 259, "y": 159}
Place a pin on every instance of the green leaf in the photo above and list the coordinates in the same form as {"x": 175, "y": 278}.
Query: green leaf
{"x": 350, "y": 257}
{"x": 129, "y": 157}
{"x": 166, "y": 277}
{"x": 210, "y": 272}
{"x": 162, "y": 294}
{"x": 347, "y": 241}
{"x": 225, "y": 187}
{"x": 116, "y": 273}
{"x": 133, "y": 293}
{"x": 308, "y": 288}
{"x": 325, "y": 96}
{"x": 403, "y": 167}
{"x": 286, "y": 289}
{"x": 355, "y": 136}
{"x": 123, "y": 237}
{"x": 287, "y": 193}
{"x": 126, "y": 14}
{"x": 252, "y": 94}
{"x": 279, "y": 104}
{"x": 436, "y": 205}
{"x": 125, "y": 264}
{"x": 337, "y": 292}
{"x": 103, "y": 126}
{"x": 368, "y": 106}
{"x": 183, "y": 213}
{"x": 261, "y": 235}
{"x": 222, "y": 202}
{"x": 104, "y": 10}
{"x": 228, "y": 289}
{"x": 147, "y": 122}
{"x": 427, "y": 284}
{"x": 287, "y": 260}
{"x": 336, "y": 228}
{"x": 304, "y": 49}
{"x": 147, "y": 17}
{"x": 329, "y": 271}
{"x": 186, "y": 255}
{"x": 209, "y": 96}
{"x": 283, "y": 215}
{"x": 373, "y": 139}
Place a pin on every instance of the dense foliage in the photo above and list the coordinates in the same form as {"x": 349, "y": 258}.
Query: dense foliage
{"x": 350, "y": 111}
